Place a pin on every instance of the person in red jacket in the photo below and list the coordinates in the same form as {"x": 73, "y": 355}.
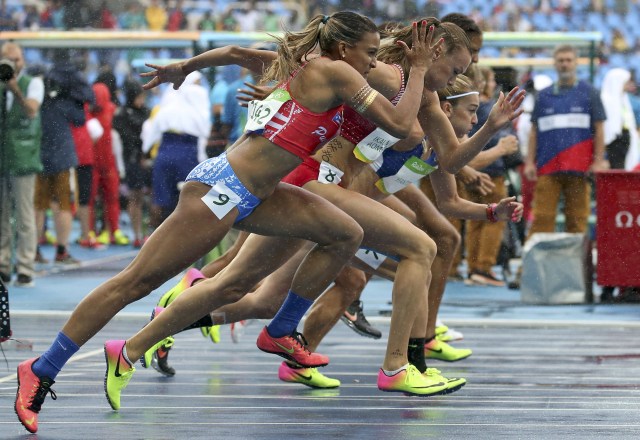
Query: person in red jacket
{"x": 84, "y": 137}
{"x": 106, "y": 180}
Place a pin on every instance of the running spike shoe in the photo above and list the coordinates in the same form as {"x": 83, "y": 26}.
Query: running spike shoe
{"x": 411, "y": 382}
{"x": 310, "y": 377}
{"x": 436, "y": 349}
{"x": 118, "y": 373}
{"x": 30, "y": 395}
{"x": 292, "y": 348}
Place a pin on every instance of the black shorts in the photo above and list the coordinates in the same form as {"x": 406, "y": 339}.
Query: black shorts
{"x": 138, "y": 177}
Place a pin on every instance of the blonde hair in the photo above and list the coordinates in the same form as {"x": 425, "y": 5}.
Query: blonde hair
{"x": 391, "y": 53}
{"x": 323, "y": 31}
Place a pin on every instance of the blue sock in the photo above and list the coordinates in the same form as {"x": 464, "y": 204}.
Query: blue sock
{"x": 289, "y": 315}
{"x": 52, "y": 361}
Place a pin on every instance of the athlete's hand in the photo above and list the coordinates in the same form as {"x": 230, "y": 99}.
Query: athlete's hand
{"x": 509, "y": 209}
{"x": 421, "y": 53}
{"x": 171, "y": 73}
{"x": 253, "y": 93}
{"x": 506, "y": 109}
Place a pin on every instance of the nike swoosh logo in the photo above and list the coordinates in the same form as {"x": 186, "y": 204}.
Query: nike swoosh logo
{"x": 303, "y": 376}
{"x": 62, "y": 346}
{"x": 288, "y": 350}
{"x": 350, "y": 316}
{"x": 435, "y": 351}
{"x": 30, "y": 421}
{"x": 117, "y": 372}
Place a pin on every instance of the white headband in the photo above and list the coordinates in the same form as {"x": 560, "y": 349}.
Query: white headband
{"x": 461, "y": 95}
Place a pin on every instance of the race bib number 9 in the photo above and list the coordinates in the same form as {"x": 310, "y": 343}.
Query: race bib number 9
{"x": 372, "y": 146}
{"x": 221, "y": 199}
{"x": 329, "y": 174}
{"x": 261, "y": 112}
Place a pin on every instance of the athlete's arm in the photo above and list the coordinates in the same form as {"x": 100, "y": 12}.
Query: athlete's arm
{"x": 253, "y": 59}
{"x": 452, "y": 205}
{"x": 453, "y": 154}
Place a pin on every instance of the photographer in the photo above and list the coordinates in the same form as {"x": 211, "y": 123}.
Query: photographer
{"x": 66, "y": 92}
{"x": 21, "y": 135}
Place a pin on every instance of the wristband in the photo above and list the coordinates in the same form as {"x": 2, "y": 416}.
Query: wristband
{"x": 492, "y": 216}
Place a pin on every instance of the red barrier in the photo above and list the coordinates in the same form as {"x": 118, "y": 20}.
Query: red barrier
{"x": 618, "y": 228}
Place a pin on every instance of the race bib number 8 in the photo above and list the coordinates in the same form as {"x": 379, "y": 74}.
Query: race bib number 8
{"x": 261, "y": 112}
{"x": 221, "y": 199}
{"x": 372, "y": 146}
{"x": 370, "y": 258}
{"x": 329, "y": 174}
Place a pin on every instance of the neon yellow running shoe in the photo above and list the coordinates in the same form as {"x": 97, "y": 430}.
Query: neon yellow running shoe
{"x": 436, "y": 349}
{"x": 411, "y": 382}
{"x": 119, "y": 238}
{"x": 310, "y": 377}
{"x": 453, "y": 383}
{"x": 118, "y": 374}
{"x": 212, "y": 332}
{"x": 104, "y": 238}
{"x": 185, "y": 282}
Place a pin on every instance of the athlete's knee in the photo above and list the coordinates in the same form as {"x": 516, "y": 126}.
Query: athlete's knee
{"x": 348, "y": 237}
{"x": 448, "y": 242}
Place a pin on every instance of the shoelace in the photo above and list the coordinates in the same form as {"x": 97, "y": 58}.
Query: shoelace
{"x": 300, "y": 340}
{"x": 41, "y": 392}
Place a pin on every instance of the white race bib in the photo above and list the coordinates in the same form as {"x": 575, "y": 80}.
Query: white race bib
{"x": 329, "y": 174}
{"x": 221, "y": 199}
{"x": 372, "y": 146}
{"x": 261, "y": 112}
{"x": 412, "y": 171}
{"x": 370, "y": 258}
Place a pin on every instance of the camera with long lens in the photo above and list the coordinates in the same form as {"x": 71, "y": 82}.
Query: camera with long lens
{"x": 7, "y": 69}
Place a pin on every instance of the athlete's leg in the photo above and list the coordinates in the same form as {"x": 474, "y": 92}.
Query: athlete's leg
{"x": 289, "y": 212}
{"x": 327, "y": 310}
{"x": 388, "y": 232}
{"x": 430, "y": 220}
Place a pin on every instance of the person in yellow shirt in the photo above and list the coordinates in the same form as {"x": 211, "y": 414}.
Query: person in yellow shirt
{"x": 156, "y": 16}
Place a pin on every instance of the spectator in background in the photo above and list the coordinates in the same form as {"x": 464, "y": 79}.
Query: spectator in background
{"x": 106, "y": 180}
{"x": 250, "y": 19}
{"x": 84, "y": 138}
{"x": 620, "y": 131}
{"x": 272, "y": 21}
{"x": 21, "y": 147}
{"x": 228, "y": 22}
{"x": 132, "y": 18}
{"x": 31, "y": 18}
{"x": 66, "y": 91}
{"x": 207, "y": 23}
{"x": 156, "y": 16}
{"x": 619, "y": 42}
{"x": 226, "y": 76}
{"x": 182, "y": 125}
{"x": 7, "y": 21}
{"x": 106, "y": 18}
{"x": 128, "y": 122}
{"x": 234, "y": 117}
{"x": 177, "y": 18}
{"x": 562, "y": 150}
{"x": 52, "y": 15}
{"x": 483, "y": 238}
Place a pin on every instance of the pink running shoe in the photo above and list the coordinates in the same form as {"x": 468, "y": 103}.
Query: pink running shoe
{"x": 292, "y": 348}
{"x": 30, "y": 395}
